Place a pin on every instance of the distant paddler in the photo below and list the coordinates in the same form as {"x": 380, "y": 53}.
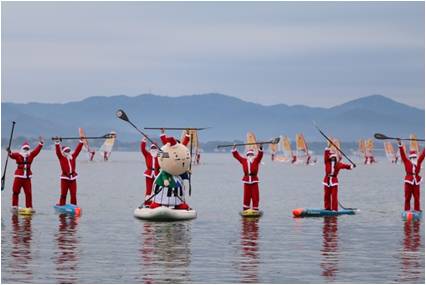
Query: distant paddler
{"x": 152, "y": 167}
{"x": 412, "y": 180}
{"x": 23, "y": 173}
{"x": 67, "y": 161}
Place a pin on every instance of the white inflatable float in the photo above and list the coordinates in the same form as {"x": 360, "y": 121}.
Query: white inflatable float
{"x": 164, "y": 214}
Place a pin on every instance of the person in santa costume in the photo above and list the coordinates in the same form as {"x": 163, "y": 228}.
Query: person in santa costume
{"x": 412, "y": 180}
{"x": 67, "y": 161}
{"x": 165, "y": 139}
{"x": 23, "y": 173}
{"x": 169, "y": 188}
{"x": 250, "y": 165}
{"x": 152, "y": 167}
{"x": 331, "y": 182}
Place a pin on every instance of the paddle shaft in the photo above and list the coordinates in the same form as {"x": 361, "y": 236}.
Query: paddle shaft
{"x": 335, "y": 146}
{"x": 3, "y": 178}
{"x": 78, "y": 138}
{"x": 190, "y": 165}
{"x": 242, "y": 144}
{"x": 389, "y": 138}
{"x": 142, "y": 133}
{"x": 196, "y": 129}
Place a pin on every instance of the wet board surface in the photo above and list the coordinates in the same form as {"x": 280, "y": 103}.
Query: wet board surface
{"x": 164, "y": 214}
{"x": 68, "y": 209}
{"x": 411, "y": 215}
{"x": 309, "y": 212}
{"x": 250, "y": 213}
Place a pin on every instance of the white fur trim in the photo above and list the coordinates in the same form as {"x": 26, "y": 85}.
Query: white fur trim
{"x": 22, "y": 176}
{"x": 69, "y": 178}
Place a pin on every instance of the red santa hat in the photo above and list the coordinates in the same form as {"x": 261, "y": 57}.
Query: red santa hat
{"x": 413, "y": 154}
{"x": 250, "y": 152}
{"x": 25, "y": 145}
{"x": 171, "y": 141}
{"x": 66, "y": 148}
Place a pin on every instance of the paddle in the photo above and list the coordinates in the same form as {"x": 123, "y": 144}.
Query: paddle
{"x": 122, "y": 115}
{"x": 190, "y": 165}
{"x": 3, "y": 178}
{"x": 351, "y": 209}
{"x": 274, "y": 141}
{"x": 106, "y": 136}
{"x": 196, "y": 129}
{"x": 384, "y": 137}
{"x": 334, "y": 145}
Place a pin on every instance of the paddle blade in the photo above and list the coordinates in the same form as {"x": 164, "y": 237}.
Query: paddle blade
{"x": 121, "y": 115}
{"x": 276, "y": 140}
{"x": 380, "y": 136}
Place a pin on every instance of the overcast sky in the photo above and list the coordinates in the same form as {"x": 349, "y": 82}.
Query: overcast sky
{"x": 317, "y": 54}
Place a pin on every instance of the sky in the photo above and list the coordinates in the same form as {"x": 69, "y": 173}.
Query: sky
{"x": 315, "y": 54}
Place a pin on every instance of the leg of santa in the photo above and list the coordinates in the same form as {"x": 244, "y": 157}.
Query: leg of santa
{"x": 327, "y": 197}
{"x": 73, "y": 192}
{"x": 408, "y": 192}
{"x": 255, "y": 196}
{"x": 64, "y": 191}
{"x": 148, "y": 182}
{"x": 28, "y": 193}
{"x": 16, "y": 189}
{"x": 416, "y": 194}
{"x": 334, "y": 200}
{"x": 247, "y": 196}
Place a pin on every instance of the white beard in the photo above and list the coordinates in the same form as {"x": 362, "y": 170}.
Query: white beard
{"x": 250, "y": 158}
{"x": 68, "y": 155}
{"x": 154, "y": 153}
{"x": 413, "y": 161}
{"x": 24, "y": 153}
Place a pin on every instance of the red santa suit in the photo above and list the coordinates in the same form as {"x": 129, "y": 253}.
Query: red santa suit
{"x": 152, "y": 168}
{"x": 23, "y": 173}
{"x": 331, "y": 182}
{"x": 412, "y": 178}
{"x": 67, "y": 162}
{"x": 250, "y": 178}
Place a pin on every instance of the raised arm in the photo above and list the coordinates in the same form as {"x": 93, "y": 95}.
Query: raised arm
{"x": 326, "y": 154}
{"x": 13, "y": 155}
{"x": 163, "y": 138}
{"x": 143, "y": 148}
{"x": 37, "y": 149}
{"x": 186, "y": 139}
{"x": 58, "y": 149}
{"x": 259, "y": 155}
{"x": 402, "y": 152}
{"x": 421, "y": 157}
{"x": 78, "y": 149}
{"x": 237, "y": 155}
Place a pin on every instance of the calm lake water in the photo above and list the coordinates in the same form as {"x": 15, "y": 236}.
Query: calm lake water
{"x": 107, "y": 245}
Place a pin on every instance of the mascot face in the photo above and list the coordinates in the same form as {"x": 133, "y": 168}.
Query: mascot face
{"x": 177, "y": 159}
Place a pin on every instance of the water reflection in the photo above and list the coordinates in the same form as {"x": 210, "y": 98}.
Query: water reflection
{"x": 249, "y": 254}
{"x": 330, "y": 249}
{"x": 412, "y": 270}
{"x": 67, "y": 252}
{"x": 166, "y": 252}
{"x": 21, "y": 252}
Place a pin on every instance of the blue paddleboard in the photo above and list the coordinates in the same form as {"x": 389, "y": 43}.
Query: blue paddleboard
{"x": 301, "y": 212}
{"x": 411, "y": 215}
{"x": 68, "y": 209}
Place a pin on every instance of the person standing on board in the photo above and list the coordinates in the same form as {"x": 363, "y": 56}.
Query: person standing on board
{"x": 412, "y": 180}
{"x": 67, "y": 161}
{"x": 152, "y": 167}
{"x": 250, "y": 165}
{"x": 23, "y": 172}
{"x": 331, "y": 182}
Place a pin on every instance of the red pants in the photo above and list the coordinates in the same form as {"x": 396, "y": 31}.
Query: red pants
{"x": 330, "y": 198}
{"x": 149, "y": 181}
{"x": 19, "y": 183}
{"x": 251, "y": 193}
{"x": 412, "y": 190}
{"x": 65, "y": 186}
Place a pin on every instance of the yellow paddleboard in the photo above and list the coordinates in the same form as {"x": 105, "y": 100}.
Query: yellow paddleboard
{"x": 25, "y": 211}
{"x": 250, "y": 213}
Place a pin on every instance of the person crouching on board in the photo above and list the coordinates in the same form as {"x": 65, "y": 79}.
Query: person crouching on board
{"x": 152, "y": 167}
{"x": 23, "y": 172}
{"x": 250, "y": 165}
{"x": 67, "y": 161}
{"x": 412, "y": 180}
{"x": 331, "y": 182}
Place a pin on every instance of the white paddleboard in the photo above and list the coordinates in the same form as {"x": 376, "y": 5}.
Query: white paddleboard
{"x": 164, "y": 214}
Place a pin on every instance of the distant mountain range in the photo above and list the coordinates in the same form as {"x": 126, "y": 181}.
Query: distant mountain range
{"x": 229, "y": 118}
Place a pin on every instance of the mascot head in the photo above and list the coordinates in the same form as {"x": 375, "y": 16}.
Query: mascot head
{"x": 175, "y": 158}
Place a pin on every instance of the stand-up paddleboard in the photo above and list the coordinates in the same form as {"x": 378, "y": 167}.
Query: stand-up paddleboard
{"x": 250, "y": 213}
{"x": 301, "y": 212}
{"x": 411, "y": 215}
{"x": 164, "y": 214}
{"x": 23, "y": 211}
{"x": 68, "y": 209}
